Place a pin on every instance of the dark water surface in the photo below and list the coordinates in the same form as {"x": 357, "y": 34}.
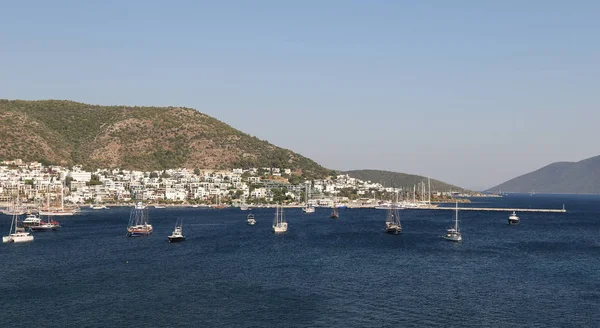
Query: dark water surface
{"x": 322, "y": 273}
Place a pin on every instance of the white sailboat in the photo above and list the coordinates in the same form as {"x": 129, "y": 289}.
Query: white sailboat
{"x": 279, "y": 224}
{"x": 308, "y": 208}
{"x": 17, "y": 234}
{"x": 454, "y": 234}
{"x": 513, "y": 219}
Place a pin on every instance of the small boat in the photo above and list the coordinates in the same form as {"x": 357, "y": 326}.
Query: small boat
{"x": 308, "y": 209}
{"x": 251, "y": 220}
{"x": 98, "y": 207}
{"x": 454, "y": 234}
{"x": 335, "y": 214}
{"x": 31, "y": 220}
{"x": 513, "y": 219}
{"x": 279, "y": 224}
{"x": 138, "y": 221}
{"x": 160, "y": 206}
{"x": 177, "y": 234}
{"x": 17, "y": 234}
{"x": 392, "y": 222}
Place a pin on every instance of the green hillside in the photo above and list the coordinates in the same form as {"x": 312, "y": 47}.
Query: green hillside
{"x": 143, "y": 138}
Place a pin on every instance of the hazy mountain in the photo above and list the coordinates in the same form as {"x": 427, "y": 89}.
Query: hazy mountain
{"x": 388, "y": 178}
{"x": 560, "y": 177}
{"x": 144, "y": 138}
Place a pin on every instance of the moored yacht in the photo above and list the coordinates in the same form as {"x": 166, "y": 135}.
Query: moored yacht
{"x": 49, "y": 225}
{"x": 513, "y": 219}
{"x": 250, "y": 219}
{"x": 279, "y": 224}
{"x": 308, "y": 209}
{"x": 32, "y": 220}
{"x": 177, "y": 234}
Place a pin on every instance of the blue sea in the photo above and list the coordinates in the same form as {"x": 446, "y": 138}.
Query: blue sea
{"x": 544, "y": 272}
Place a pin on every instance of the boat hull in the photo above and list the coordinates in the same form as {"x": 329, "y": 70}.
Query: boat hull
{"x": 57, "y": 213}
{"x": 17, "y": 239}
{"x": 176, "y": 239}
{"x": 393, "y": 231}
{"x": 251, "y": 223}
{"x": 393, "y": 228}
{"x": 308, "y": 210}
{"x": 513, "y": 222}
{"x": 453, "y": 237}
{"x": 138, "y": 233}
{"x": 280, "y": 228}
{"x": 44, "y": 228}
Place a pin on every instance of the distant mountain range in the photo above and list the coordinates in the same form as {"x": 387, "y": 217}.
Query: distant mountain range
{"x": 395, "y": 179}
{"x": 559, "y": 177}
{"x": 144, "y": 138}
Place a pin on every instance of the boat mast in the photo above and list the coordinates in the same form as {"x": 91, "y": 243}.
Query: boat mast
{"x": 13, "y": 220}
{"x": 456, "y": 219}
{"x": 429, "y": 193}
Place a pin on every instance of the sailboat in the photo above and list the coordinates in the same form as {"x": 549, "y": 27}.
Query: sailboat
{"x": 15, "y": 208}
{"x": 177, "y": 234}
{"x": 17, "y": 234}
{"x": 279, "y": 224}
{"x": 513, "y": 219}
{"x": 138, "y": 221}
{"x": 392, "y": 222}
{"x": 251, "y": 220}
{"x": 218, "y": 205}
{"x": 62, "y": 211}
{"x": 454, "y": 234}
{"x": 335, "y": 214}
{"x": 308, "y": 208}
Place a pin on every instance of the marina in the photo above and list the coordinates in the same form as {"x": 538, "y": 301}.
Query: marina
{"x": 325, "y": 264}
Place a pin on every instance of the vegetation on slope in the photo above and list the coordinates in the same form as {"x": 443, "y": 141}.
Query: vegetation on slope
{"x": 144, "y": 138}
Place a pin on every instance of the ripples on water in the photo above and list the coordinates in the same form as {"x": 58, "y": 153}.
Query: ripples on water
{"x": 322, "y": 273}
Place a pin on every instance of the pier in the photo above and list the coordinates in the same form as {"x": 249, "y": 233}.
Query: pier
{"x": 492, "y": 209}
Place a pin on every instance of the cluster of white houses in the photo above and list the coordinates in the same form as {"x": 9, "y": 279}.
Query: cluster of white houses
{"x": 33, "y": 180}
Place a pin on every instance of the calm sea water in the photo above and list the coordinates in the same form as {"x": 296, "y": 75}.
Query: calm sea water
{"x": 322, "y": 273}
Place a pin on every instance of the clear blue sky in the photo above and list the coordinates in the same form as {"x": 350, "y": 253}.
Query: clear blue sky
{"x": 470, "y": 92}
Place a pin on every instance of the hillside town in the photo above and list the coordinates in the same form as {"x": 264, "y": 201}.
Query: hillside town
{"x": 267, "y": 185}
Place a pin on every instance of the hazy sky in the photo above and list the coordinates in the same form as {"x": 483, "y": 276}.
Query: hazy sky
{"x": 469, "y": 92}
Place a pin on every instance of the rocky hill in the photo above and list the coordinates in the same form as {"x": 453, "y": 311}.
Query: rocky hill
{"x": 143, "y": 138}
{"x": 388, "y": 179}
{"x": 559, "y": 177}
